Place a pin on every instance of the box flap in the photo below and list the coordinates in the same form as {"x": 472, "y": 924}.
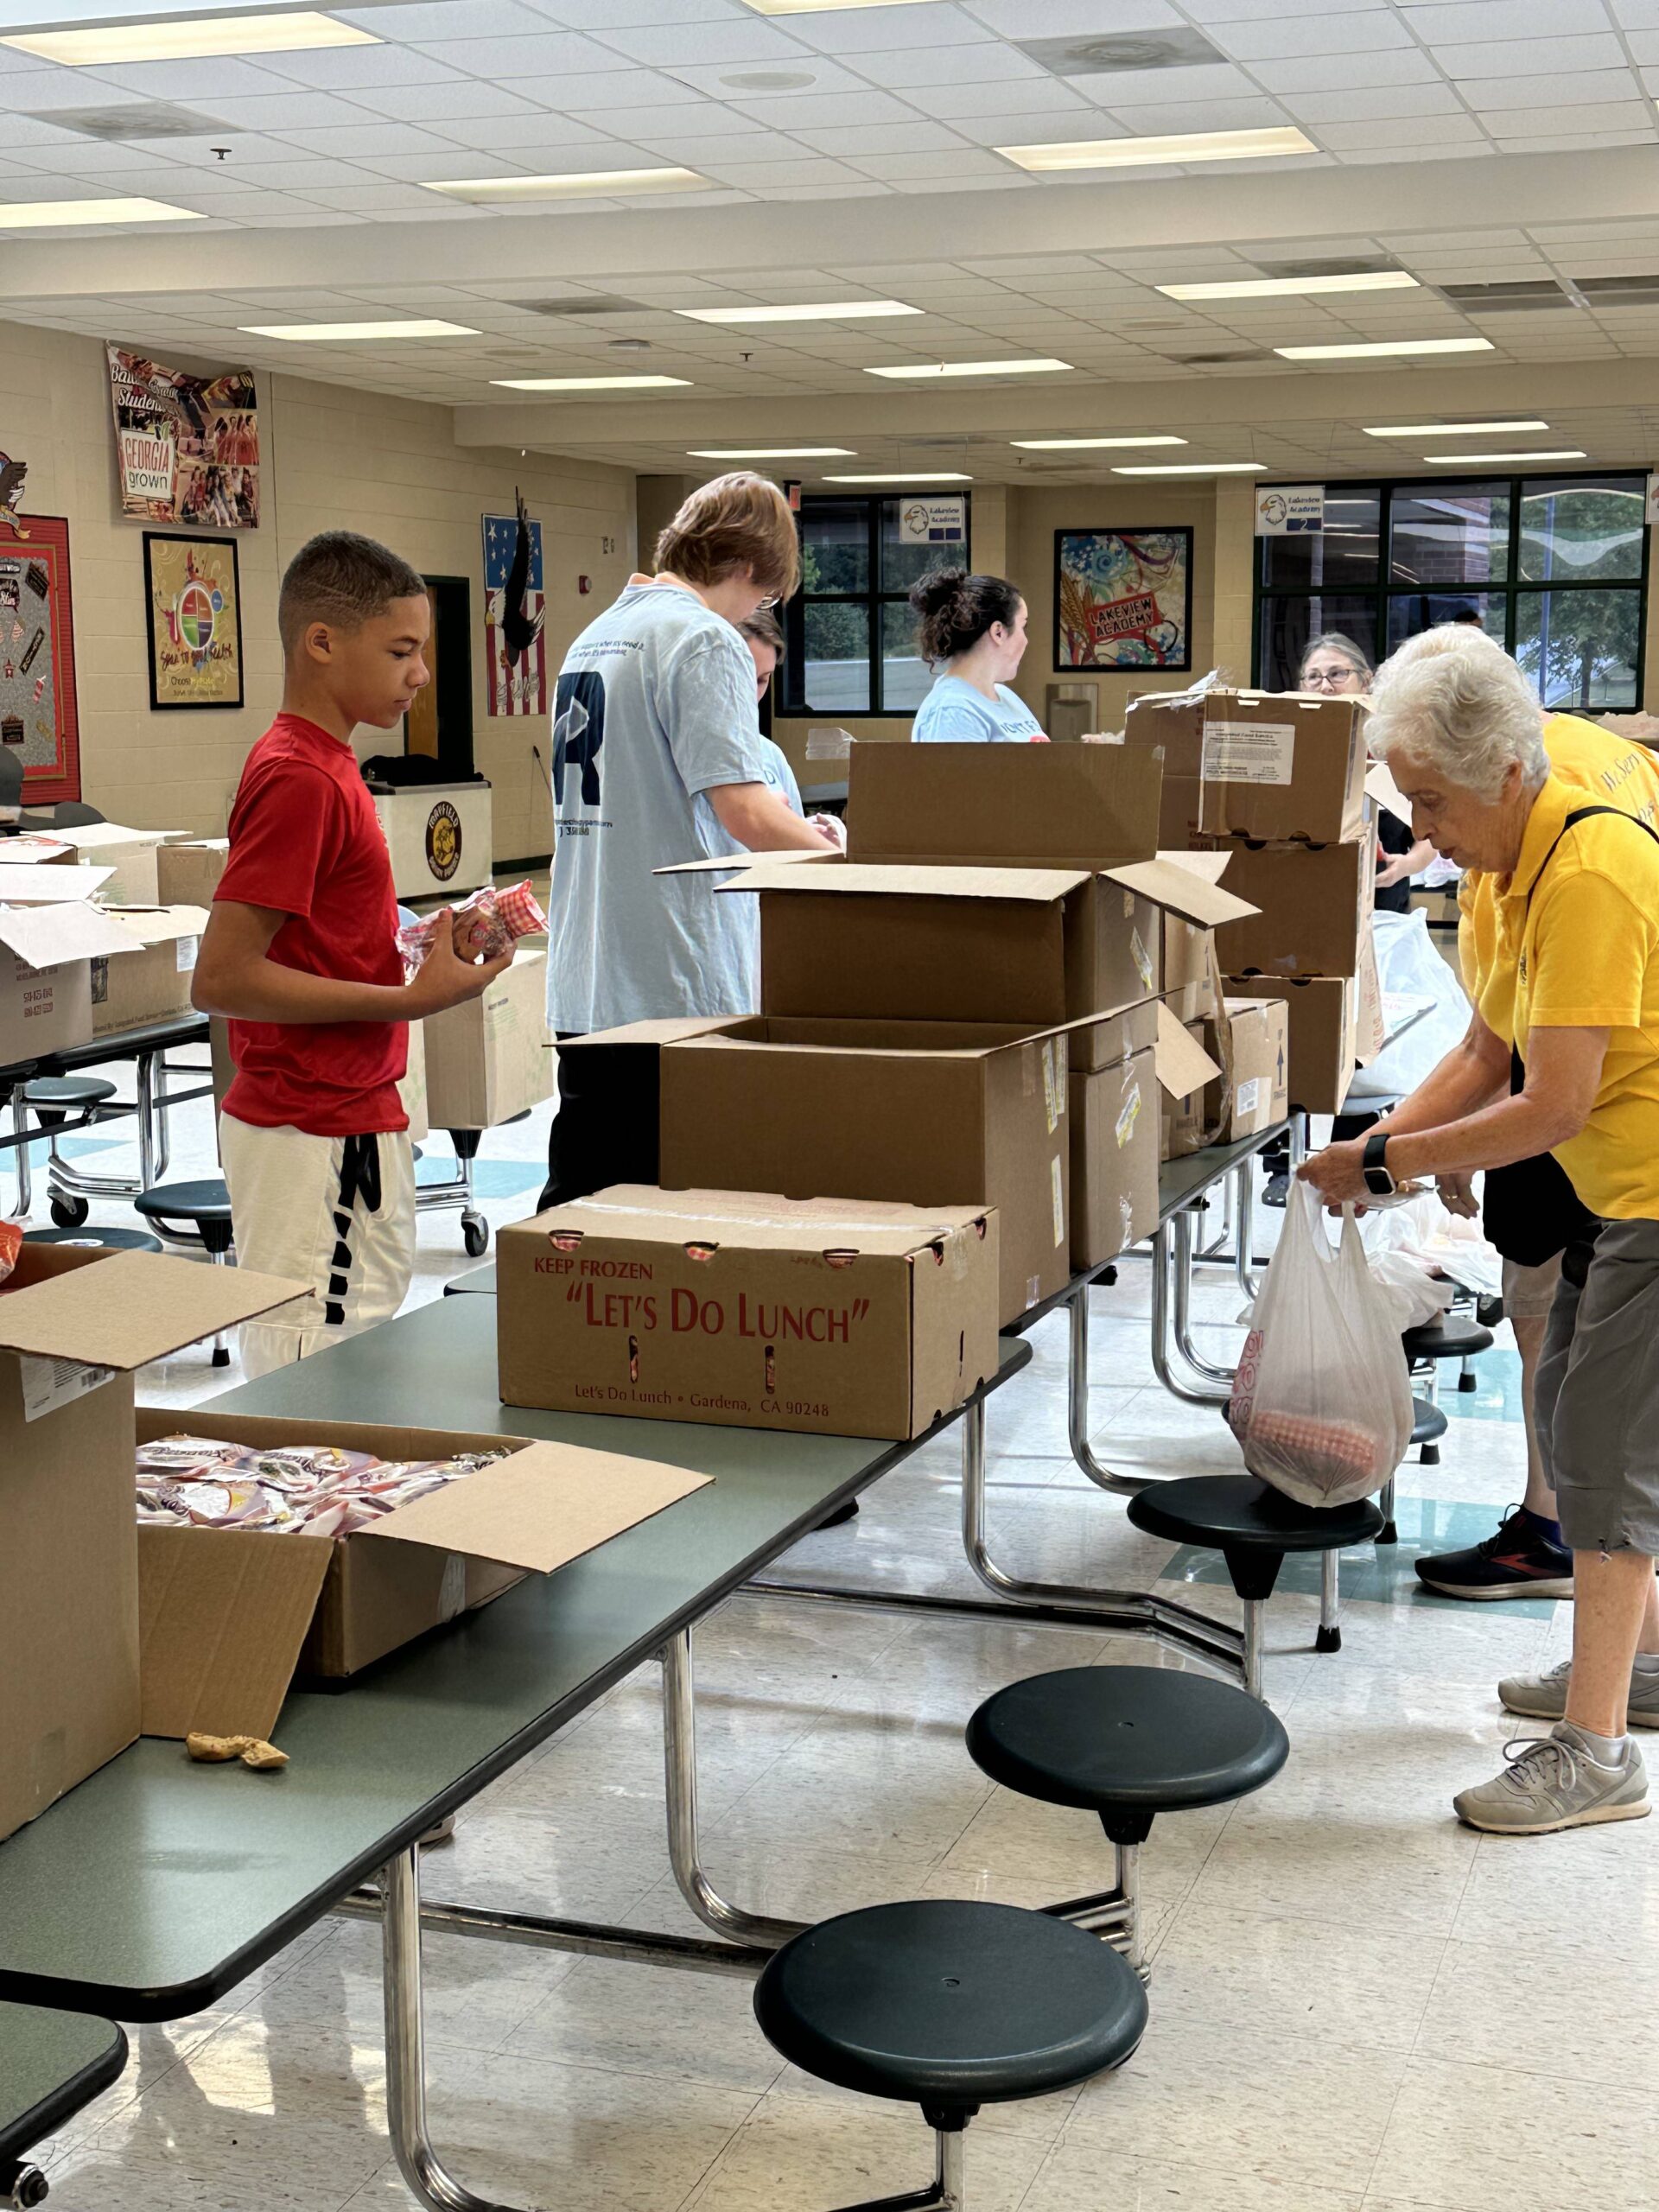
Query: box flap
{"x": 541, "y": 1508}
{"x": 22, "y": 884}
{"x": 161, "y": 924}
{"x": 1381, "y": 786}
{"x": 47, "y": 936}
{"x": 1210, "y": 866}
{"x": 95, "y": 837}
{"x": 30, "y": 848}
{"x": 664, "y": 1029}
{"x": 133, "y": 1307}
{"x": 1183, "y": 890}
{"x": 753, "y": 1221}
{"x": 1030, "y": 886}
{"x": 1183, "y": 1064}
{"x": 716, "y": 863}
{"x": 222, "y": 1615}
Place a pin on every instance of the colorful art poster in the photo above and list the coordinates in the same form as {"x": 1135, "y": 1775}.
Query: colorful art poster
{"x": 186, "y": 447}
{"x": 39, "y": 723}
{"x": 515, "y": 619}
{"x": 1122, "y": 599}
{"x": 195, "y": 622}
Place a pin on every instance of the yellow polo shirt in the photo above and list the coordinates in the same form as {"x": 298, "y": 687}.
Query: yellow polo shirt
{"x": 1608, "y": 770}
{"x": 1585, "y": 955}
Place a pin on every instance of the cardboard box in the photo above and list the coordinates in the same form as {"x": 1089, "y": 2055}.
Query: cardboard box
{"x": 926, "y": 1114}
{"x": 1183, "y": 1128}
{"x": 152, "y": 983}
{"x": 838, "y": 1318}
{"x": 129, "y": 854}
{"x": 1313, "y": 910}
{"x": 1323, "y": 1013}
{"x": 1253, "y": 764}
{"x": 1114, "y": 1114}
{"x": 1077, "y": 806}
{"x": 229, "y": 1615}
{"x": 488, "y": 1060}
{"x": 440, "y": 839}
{"x": 1252, "y": 1041}
{"x": 74, "y": 1323}
{"x": 50, "y": 933}
{"x": 187, "y": 875}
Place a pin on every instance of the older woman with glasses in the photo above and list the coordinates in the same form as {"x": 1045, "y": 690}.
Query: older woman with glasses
{"x": 1335, "y": 664}
{"x": 1570, "y": 1070}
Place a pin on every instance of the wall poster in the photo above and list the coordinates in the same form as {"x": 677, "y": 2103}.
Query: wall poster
{"x": 186, "y": 447}
{"x": 515, "y": 615}
{"x": 39, "y": 722}
{"x": 1123, "y": 598}
{"x": 192, "y": 588}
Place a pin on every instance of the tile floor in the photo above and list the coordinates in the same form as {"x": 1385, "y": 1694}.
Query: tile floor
{"x": 1357, "y": 2005}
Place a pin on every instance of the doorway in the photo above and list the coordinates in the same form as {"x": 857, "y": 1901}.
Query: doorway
{"x": 439, "y": 726}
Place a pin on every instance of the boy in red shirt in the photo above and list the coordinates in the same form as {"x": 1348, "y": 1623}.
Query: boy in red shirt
{"x": 300, "y": 954}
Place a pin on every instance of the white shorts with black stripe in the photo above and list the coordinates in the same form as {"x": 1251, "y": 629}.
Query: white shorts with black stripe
{"x": 336, "y": 1212}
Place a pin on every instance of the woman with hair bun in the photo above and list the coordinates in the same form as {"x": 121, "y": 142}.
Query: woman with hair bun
{"x": 972, "y": 634}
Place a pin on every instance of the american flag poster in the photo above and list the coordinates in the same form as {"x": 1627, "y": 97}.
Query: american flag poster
{"x": 517, "y": 686}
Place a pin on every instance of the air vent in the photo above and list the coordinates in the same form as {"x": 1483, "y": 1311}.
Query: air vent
{"x": 770, "y": 80}
{"x": 1114, "y": 50}
{"x": 1524, "y": 297}
{"x": 1618, "y": 291}
{"x": 1217, "y": 360}
{"x": 1344, "y": 265}
{"x": 587, "y": 303}
{"x": 136, "y": 119}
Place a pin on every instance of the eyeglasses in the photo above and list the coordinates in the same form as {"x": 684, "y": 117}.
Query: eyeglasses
{"x": 1333, "y": 678}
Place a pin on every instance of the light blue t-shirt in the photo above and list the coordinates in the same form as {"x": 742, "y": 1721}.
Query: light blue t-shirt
{"x": 954, "y": 712}
{"x": 655, "y": 707}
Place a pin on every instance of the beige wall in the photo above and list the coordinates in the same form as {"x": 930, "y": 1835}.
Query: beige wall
{"x": 334, "y": 459}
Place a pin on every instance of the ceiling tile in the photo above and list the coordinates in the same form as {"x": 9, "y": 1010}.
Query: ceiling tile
{"x": 1369, "y": 31}
{"x": 825, "y": 76}
{"x": 680, "y": 44}
{"x": 1073, "y": 18}
{"x": 1427, "y": 131}
{"x": 808, "y": 110}
{"x": 1041, "y": 95}
{"x": 1586, "y": 90}
{"x": 1458, "y": 21}
{"x": 1364, "y": 106}
{"x": 417, "y": 21}
{"x": 1530, "y": 57}
{"x": 1335, "y": 73}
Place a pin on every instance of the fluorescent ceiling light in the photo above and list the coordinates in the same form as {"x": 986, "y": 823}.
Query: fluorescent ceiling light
{"x": 190, "y": 41}
{"x": 64, "y": 215}
{"x": 588, "y": 383}
{"x": 1143, "y": 153}
{"x": 1080, "y": 445}
{"x": 303, "y": 332}
{"x": 1452, "y": 429}
{"x": 905, "y": 476}
{"x": 570, "y": 184}
{"x": 1477, "y": 460}
{"x": 1280, "y": 288}
{"x": 1375, "y": 350}
{"x": 771, "y": 452}
{"x": 1037, "y": 368}
{"x": 1196, "y": 468}
{"x": 841, "y": 311}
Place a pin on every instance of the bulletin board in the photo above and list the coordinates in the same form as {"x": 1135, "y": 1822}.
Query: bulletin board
{"x": 39, "y": 721}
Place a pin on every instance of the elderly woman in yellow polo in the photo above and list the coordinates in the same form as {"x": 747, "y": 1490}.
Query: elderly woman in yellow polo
{"x": 1567, "y": 1083}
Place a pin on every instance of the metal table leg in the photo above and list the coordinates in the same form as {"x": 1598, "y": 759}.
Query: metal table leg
{"x": 1162, "y": 1328}
{"x": 1330, "y": 1635}
{"x": 1077, "y": 1383}
{"x": 1218, "y": 1377}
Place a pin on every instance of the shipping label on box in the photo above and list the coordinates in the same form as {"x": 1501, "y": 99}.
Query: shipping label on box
{"x": 487, "y": 1059}
{"x": 835, "y": 1317}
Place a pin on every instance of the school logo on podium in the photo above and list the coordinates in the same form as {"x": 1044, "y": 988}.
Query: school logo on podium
{"x": 444, "y": 840}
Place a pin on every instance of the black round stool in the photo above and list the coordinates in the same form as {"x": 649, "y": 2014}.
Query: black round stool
{"x": 1126, "y": 1743}
{"x": 113, "y": 1240}
{"x": 1252, "y": 1526}
{"x": 948, "y": 2005}
{"x": 52, "y": 1099}
{"x": 206, "y": 1206}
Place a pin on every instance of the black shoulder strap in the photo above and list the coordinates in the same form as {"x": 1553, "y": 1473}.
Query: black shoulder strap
{"x": 1583, "y": 814}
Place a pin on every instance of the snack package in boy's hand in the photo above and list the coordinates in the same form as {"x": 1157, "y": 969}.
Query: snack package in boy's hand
{"x": 12, "y": 1243}
{"x": 484, "y": 925}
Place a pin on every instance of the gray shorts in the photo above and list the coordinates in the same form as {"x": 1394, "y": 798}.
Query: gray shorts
{"x": 1596, "y": 1402}
{"x": 1529, "y": 1292}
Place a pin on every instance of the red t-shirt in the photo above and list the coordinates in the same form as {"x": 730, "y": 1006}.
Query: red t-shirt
{"x": 305, "y": 839}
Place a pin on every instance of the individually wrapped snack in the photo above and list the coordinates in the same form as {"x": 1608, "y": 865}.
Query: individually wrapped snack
{"x": 217, "y": 1750}
{"x": 312, "y": 1489}
{"x": 484, "y": 925}
{"x": 12, "y": 1243}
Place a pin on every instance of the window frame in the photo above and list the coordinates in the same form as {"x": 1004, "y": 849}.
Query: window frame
{"x": 1510, "y": 591}
{"x": 795, "y": 702}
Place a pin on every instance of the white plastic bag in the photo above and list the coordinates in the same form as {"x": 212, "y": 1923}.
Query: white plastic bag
{"x": 1321, "y": 1405}
{"x": 1409, "y": 966}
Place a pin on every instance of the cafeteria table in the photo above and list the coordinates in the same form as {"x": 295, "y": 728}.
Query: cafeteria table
{"x": 52, "y": 2064}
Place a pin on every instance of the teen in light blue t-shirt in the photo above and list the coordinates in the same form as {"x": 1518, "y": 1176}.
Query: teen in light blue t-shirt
{"x": 972, "y": 633}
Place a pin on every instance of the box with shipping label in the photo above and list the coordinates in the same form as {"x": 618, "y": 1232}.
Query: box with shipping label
{"x": 1251, "y": 1040}
{"x": 487, "y": 1059}
{"x": 50, "y": 932}
{"x": 74, "y": 1323}
{"x": 132, "y": 989}
{"x": 1323, "y": 1011}
{"x": 925, "y": 1114}
{"x": 1252, "y": 764}
{"x": 835, "y": 1317}
{"x": 188, "y": 873}
{"x": 1313, "y": 910}
{"x": 1185, "y": 1070}
{"x": 130, "y": 854}
{"x": 1114, "y": 1114}
{"x": 440, "y": 839}
{"x": 228, "y": 1616}
{"x": 1078, "y": 806}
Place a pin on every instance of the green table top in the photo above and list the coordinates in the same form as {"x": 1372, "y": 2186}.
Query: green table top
{"x": 1180, "y": 1181}
{"x": 51, "y": 2065}
{"x": 480, "y": 1279}
{"x": 157, "y": 1884}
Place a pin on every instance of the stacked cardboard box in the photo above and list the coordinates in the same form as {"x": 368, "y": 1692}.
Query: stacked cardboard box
{"x": 1276, "y": 783}
{"x": 52, "y": 931}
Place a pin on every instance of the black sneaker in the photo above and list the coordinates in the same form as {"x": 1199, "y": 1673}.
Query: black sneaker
{"x": 1275, "y": 1192}
{"x": 1519, "y": 1561}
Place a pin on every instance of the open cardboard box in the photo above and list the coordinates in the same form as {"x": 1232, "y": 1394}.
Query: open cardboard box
{"x": 227, "y": 1616}
{"x": 151, "y": 983}
{"x": 1115, "y": 1125}
{"x": 835, "y": 1317}
{"x": 74, "y": 1324}
{"x": 486, "y": 1059}
{"x": 129, "y": 854}
{"x": 50, "y": 931}
{"x": 1253, "y": 764}
{"x": 1185, "y": 1070}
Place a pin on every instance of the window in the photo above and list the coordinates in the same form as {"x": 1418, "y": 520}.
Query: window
{"x": 1555, "y": 569}
{"x": 852, "y": 636}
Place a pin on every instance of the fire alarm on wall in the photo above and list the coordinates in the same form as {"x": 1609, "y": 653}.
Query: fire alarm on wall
{"x": 584, "y": 585}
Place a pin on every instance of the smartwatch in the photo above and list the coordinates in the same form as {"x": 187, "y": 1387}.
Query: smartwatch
{"x": 1378, "y": 1182}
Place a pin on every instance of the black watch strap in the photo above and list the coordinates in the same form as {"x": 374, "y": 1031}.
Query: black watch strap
{"x": 1378, "y": 1182}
